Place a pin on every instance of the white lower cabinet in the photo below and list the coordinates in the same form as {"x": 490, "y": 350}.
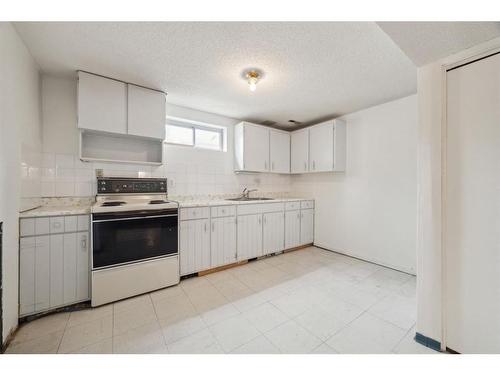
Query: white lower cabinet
{"x": 249, "y": 236}
{"x": 223, "y": 241}
{"x": 53, "y": 269}
{"x": 194, "y": 246}
{"x": 292, "y": 229}
{"x": 306, "y": 226}
{"x": 273, "y": 230}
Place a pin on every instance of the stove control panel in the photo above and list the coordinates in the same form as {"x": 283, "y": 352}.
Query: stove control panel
{"x": 115, "y": 185}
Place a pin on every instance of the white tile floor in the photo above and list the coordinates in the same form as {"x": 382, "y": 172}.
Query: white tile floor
{"x": 306, "y": 301}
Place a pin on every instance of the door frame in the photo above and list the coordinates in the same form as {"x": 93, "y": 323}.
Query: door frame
{"x": 468, "y": 56}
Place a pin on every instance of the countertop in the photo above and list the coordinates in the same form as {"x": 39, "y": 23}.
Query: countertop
{"x": 224, "y": 202}
{"x": 85, "y": 208}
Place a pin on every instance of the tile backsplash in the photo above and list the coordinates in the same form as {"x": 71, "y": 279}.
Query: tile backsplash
{"x": 65, "y": 175}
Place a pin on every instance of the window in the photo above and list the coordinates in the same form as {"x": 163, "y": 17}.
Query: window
{"x": 194, "y": 134}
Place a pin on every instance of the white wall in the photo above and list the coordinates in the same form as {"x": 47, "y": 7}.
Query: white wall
{"x": 20, "y": 142}
{"x": 370, "y": 210}
{"x": 190, "y": 171}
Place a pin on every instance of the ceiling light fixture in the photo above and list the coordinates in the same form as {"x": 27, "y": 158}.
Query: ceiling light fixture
{"x": 252, "y": 77}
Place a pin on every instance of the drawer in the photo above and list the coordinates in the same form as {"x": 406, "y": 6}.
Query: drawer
{"x": 221, "y": 211}
{"x": 56, "y": 224}
{"x": 249, "y": 209}
{"x": 27, "y": 227}
{"x": 292, "y": 206}
{"x": 194, "y": 213}
{"x": 70, "y": 224}
{"x": 83, "y": 223}
{"x": 307, "y": 204}
{"x": 42, "y": 225}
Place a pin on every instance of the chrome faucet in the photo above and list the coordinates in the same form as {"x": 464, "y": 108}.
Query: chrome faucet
{"x": 246, "y": 193}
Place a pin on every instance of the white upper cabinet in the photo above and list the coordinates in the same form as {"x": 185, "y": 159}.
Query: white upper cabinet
{"x": 102, "y": 104}
{"x": 300, "y": 151}
{"x": 146, "y": 112}
{"x": 279, "y": 151}
{"x": 251, "y": 147}
{"x": 324, "y": 151}
{"x": 321, "y": 147}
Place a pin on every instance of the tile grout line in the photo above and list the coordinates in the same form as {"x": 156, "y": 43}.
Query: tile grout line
{"x": 158, "y": 321}
{"x": 64, "y": 333}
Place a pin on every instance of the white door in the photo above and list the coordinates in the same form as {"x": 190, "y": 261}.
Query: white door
{"x": 249, "y": 235}
{"x": 69, "y": 268}
{"x": 42, "y": 273}
{"x": 146, "y": 112}
{"x": 223, "y": 241}
{"x": 102, "y": 104}
{"x": 279, "y": 151}
{"x": 306, "y": 226}
{"x": 27, "y": 276}
{"x": 273, "y": 232}
{"x": 321, "y": 147}
{"x": 194, "y": 246}
{"x": 256, "y": 148}
{"x": 299, "y": 151}
{"x": 472, "y": 230}
{"x": 56, "y": 270}
{"x": 82, "y": 267}
{"x": 292, "y": 229}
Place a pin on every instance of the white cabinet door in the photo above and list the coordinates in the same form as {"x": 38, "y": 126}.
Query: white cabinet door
{"x": 56, "y": 270}
{"x": 223, "y": 241}
{"x": 42, "y": 273}
{"x": 69, "y": 268}
{"x": 102, "y": 104}
{"x": 279, "y": 151}
{"x": 273, "y": 232}
{"x": 146, "y": 112}
{"x": 306, "y": 226}
{"x": 299, "y": 151}
{"x": 194, "y": 246}
{"x": 256, "y": 148}
{"x": 292, "y": 229}
{"x": 249, "y": 236}
{"x": 82, "y": 267}
{"x": 321, "y": 147}
{"x": 27, "y": 276}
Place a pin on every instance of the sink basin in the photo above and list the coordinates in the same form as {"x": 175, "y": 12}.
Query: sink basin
{"x": 242, "y": 199}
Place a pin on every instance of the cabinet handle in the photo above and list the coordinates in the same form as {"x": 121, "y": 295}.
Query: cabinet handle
{"x": 84, "y": 244}
{"x": 205, "y": 226}
{"x": 314, "y": 165}
{"x": 213, "y": 226}
{"x": 260, "y": 220}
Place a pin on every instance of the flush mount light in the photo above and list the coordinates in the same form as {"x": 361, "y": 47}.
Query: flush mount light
{"x": 252, "y": 77}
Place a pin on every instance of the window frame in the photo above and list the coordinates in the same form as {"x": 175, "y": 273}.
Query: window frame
{"x": 193, "y": 125}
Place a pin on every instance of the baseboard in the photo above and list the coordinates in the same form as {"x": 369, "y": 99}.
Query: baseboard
{"x": 428, "y": 342}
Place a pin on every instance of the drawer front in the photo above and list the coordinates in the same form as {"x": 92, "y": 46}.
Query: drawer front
{"x": 307, "y": 204}
{"x": 292, "y": 206}
{"x": 70, "y": 223}
{"x": 57, "y": 224}
{"x": 27, "y": 227}
{"x": 249, "y": 209}
{"x": 83, "y": 223}
{"x": 42, "y": 225}
{"x": 222, "y": 211}
{"x": 194, "y": 213}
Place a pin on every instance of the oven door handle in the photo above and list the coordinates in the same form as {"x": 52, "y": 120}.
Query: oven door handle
{"x": 133, "y": 218}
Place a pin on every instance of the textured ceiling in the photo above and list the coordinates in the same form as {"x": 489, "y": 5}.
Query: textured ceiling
{"x": 425, "y": 42}
{"x": 312, "y": 71}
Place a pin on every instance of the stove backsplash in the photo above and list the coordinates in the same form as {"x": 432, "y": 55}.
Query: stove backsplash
{"x": 64, "y": 175}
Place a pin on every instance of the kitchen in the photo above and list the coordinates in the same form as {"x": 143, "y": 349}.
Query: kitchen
{"x": 188, "y": 188}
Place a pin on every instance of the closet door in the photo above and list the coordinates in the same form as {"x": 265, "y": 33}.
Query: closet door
{"x": 472, "y": 213}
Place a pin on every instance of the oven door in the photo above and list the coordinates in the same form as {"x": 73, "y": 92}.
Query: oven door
{"x": 128, "y": 237}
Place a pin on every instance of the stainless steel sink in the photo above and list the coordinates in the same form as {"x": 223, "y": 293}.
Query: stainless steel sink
{"x": 244, "y": 199}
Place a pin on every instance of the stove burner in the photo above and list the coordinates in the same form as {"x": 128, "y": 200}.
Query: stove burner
{"x": 112, "y": 204}
{"x": 157, "y": 201}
